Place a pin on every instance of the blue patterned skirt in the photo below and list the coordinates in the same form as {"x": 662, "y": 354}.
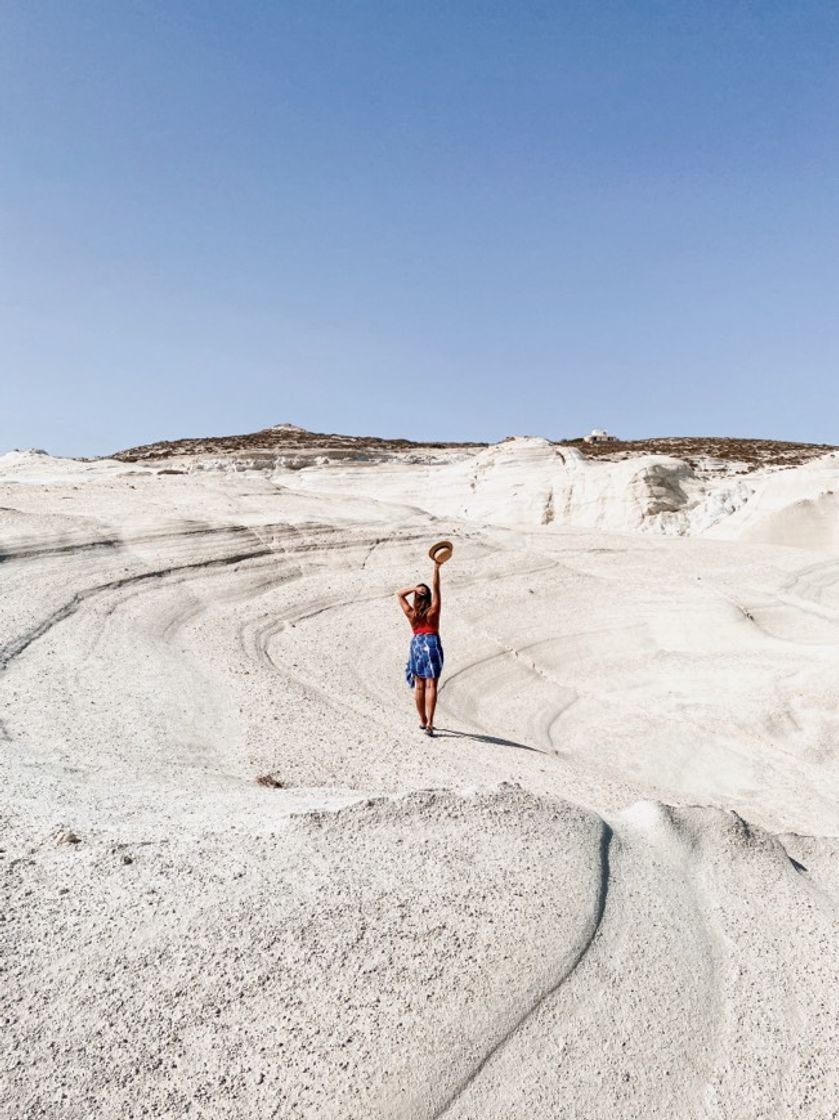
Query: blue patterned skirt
{"x": 425, "y": 658}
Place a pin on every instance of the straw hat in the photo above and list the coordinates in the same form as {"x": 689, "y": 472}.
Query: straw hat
{"x": 441, "y": 551}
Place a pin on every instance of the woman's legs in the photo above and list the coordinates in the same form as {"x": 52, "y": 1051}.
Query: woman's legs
{"x": 430, "y": 700}
{"x": 419, "y": 697}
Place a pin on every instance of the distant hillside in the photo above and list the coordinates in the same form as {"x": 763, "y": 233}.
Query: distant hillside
{"x": 751, "y": 453}
{"x": 282, "y": 437}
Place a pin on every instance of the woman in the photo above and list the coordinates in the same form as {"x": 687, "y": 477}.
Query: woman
{"x": 425, "y": 660}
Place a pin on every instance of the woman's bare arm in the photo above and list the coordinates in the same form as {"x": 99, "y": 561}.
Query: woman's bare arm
{"x": 435, "y": 592}
{"x": 402, "y": 596}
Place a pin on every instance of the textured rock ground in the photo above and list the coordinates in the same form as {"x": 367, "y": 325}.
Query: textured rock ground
{"x": 608, "y": 889}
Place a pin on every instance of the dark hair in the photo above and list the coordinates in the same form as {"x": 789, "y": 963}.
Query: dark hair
{"x": 422, "y": 603}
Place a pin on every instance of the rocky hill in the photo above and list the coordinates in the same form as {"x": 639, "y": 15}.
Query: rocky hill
{"x": 751, "y": 454}
{"x": 741, "y": 455}
{"x": 279, "y": 438}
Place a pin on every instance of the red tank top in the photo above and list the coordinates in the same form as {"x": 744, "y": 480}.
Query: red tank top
{"x": 425, "y": 630}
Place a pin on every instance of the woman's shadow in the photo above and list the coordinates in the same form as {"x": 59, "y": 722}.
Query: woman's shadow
{"x": 493, "y": 740}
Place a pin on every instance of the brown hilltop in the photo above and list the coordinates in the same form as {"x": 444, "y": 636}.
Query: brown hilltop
{"x": 751, "y": 453}
{"x": 283, "y": 437}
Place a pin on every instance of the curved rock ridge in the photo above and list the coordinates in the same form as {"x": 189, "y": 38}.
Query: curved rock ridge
{"x": 685, "y": 884}
{"x": 397, "y": 982}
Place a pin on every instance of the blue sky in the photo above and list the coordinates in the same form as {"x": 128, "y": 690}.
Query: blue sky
{"x": 454, "y": 220}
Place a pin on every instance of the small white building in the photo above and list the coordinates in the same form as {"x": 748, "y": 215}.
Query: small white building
{"x": 598, "y": 435}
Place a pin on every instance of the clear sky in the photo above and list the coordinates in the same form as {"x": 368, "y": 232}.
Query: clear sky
{"x": 444, "y": 220}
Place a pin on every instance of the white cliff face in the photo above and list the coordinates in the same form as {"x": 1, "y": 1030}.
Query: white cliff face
{"x": 532, "y": 483}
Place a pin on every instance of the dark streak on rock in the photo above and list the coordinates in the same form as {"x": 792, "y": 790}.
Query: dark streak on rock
{"x": 14, "y": 649}
{"x": 496, "y": 1048}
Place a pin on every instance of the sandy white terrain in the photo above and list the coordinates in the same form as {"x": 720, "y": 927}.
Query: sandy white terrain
{"x": 608, "y": 890}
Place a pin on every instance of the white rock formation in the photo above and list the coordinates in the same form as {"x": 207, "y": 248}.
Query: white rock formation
{"x": 606, "y": 890}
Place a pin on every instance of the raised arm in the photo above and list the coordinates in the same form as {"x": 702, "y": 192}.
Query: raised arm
{"x": 435, "y": 592}
{"x": 402, "y": 596}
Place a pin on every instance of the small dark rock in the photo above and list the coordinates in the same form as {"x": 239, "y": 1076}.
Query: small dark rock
{"x": 270, "y": 781}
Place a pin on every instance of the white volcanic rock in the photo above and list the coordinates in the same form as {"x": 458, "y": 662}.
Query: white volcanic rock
{"x": 37, "y": 466}
{"x": 238, "y": 881}
{"x": 791, "y": 507}
{"x": 529, "y": 482}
